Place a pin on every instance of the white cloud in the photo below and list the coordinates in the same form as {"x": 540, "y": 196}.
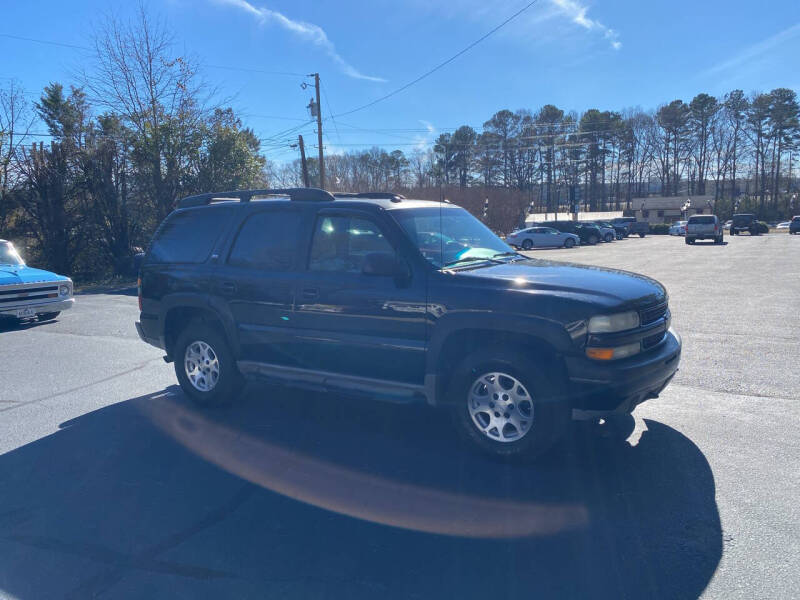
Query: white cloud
{"x": 577, "y": 13}
{"x": 422, "y": 142}
{"x": 756, "y": 50}
{"x": 308, "y": 31}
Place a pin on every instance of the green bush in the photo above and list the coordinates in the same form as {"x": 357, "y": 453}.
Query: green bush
{"x": 762, "y": 227}
{"x": 659, "y": 229}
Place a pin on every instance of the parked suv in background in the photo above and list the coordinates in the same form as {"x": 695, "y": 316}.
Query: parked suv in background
{"x": 588, "y": 233}
{"x": 640, "y": 228}
{"x": 401, "y": 300}
{"x": 703, "y": 227}
{"x": 794, "y": 225}
{"x": 744, "y": 222}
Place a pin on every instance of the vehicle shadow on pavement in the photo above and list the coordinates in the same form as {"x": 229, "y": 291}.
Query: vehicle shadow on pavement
{"x": 14, "y": 325}
{"x": 289, "y": 494}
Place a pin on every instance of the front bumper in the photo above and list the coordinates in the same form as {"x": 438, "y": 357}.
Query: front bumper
{"x": 598, "y": 388}
{"x": 39, "y": 308}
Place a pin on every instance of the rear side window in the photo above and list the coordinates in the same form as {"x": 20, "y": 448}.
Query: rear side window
{"x": 268, "y": 241}
{"x": 701, "y": 220}
{"x": 189, "y": 236}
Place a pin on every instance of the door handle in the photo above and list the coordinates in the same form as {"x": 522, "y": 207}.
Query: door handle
{"x": 310, "y": 293}
{"x": 228, "y": 287}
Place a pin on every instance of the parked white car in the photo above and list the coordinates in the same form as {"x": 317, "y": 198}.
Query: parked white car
{"x": 678, "y": 228}
{"x": 784, "y": 225}
{"x": 542, "y": 237}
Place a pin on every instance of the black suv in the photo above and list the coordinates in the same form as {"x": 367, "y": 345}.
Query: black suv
{"x": 589, "y": 233}
{"x": 400, "y": 300}
{"x": 744, "y": 222}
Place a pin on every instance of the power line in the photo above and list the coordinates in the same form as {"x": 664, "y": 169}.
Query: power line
{"x": 442, "y": 64}
{"x": 51, "y": 43}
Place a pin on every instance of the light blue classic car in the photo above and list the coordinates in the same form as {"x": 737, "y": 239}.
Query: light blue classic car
{"x": 27, "y": 293}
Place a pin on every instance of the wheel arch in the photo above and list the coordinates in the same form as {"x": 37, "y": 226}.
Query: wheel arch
{"x": 180, "y": 314}
{"x": 450, "y": 349}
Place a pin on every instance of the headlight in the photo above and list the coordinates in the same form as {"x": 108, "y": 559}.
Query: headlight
{"x": 612, "y": 323}
{"x": 63, "y": 290}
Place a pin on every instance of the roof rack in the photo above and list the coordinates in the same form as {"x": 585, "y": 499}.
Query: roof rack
{"x": 314, "y": 194}
{"x": 376, "y": 195}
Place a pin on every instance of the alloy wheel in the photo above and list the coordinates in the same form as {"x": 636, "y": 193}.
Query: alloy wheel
{"x": 202, "y": 366}
{"x": 500, "y": 407}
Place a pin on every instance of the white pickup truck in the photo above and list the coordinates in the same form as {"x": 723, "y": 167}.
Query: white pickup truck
{"x": 27, "y": 293}
{"x": 703, "y": 227}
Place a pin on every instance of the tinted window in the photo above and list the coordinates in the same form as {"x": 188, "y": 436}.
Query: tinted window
{"x": 702, "y": 220}
{"x": 341, "y": 242}
{"x": 189, "y": 236}
{"x": 269, "y": 241}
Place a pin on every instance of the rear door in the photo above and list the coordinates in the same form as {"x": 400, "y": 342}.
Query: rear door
{"x": 258, "y": 280}
{"x": 352, "y": 323}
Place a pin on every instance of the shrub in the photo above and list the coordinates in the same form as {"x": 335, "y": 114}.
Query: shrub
{"x": 762, "y": 227}
{"x": 659, "y": 229}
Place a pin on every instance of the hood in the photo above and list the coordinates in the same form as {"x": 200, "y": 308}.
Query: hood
{"x": 614, "y": 287}
{"x": 10, "y": 275}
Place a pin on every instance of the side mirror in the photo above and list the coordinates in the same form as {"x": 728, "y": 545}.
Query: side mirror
{"x": 384, "y": 264}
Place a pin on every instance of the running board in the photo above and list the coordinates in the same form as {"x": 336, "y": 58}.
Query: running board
{"x": 392, "y": 391}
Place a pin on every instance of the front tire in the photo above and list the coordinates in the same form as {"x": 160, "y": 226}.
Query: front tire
{"x": 608, "y": 237}
{"x": 507, "y": 405}
{"x": 205, "y": 366}
{"x": 641, "y": 235}
{"x": 569, "y": 243}
{"x": 593, "y": 239}
{"x": 527, "y": 245}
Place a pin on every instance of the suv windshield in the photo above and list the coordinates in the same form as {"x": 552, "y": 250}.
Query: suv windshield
{"x": 8, "y": 255}
{"x": 449, "y": 236}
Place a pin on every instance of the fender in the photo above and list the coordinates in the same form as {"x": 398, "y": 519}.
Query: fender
{"x": 205, "y": 302}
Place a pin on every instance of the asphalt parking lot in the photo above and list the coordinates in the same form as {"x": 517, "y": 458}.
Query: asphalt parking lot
{"x": 113, "y": 486}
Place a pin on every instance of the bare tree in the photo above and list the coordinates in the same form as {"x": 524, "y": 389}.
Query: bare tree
{"x": 156, "y": 93}
{"x": 16, "y": 120}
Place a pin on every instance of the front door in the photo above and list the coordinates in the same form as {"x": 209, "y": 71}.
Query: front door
{"x": 354, "y": 323}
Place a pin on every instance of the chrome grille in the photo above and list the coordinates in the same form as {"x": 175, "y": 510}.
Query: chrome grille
{"x": 21, "y": 295}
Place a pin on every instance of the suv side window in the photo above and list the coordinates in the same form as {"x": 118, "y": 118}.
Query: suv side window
{"x": 268, "y": 241}
{"x": 341, "y": 242}
{"x": 188, "y": 237}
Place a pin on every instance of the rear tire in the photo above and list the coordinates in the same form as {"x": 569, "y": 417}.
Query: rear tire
{"x": 569, "y": 243}
{"x": 641, "y": 235}
{"x": 608, "y": 237}
{"x": 507, "y": 405}
{"x": 527, "y": 245}
{"x": 205, "y": 366}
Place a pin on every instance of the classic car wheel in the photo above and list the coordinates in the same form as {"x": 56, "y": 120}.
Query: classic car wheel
{"x": 205, "y": 366}
{"x": 507, "y": 404}
{"x": 47, "y": 316}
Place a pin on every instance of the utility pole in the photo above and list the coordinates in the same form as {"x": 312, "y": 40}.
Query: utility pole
{"x": 319, "y": 135}
{"x": 303, "y": 160}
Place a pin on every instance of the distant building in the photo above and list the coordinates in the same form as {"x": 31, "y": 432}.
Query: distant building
{"x": 583, "y": 216}
{"x": 668, "y": 209}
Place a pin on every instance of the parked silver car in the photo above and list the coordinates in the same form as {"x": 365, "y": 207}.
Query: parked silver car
{"x": 542, "y": 237}
{"x": 678, "y": 228}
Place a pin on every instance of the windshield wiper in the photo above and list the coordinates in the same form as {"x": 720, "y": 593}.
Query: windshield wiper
{"x": 464, "y": 259}
{"x": 512, "y": 253}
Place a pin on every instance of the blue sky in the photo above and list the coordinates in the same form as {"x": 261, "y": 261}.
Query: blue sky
{"x": 575, "y": 54}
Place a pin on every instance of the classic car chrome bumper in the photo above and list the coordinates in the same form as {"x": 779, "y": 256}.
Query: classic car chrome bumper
{"x": 21, "y": 310}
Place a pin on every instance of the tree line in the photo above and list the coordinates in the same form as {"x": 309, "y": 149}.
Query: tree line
{"x": 140, "y": 129}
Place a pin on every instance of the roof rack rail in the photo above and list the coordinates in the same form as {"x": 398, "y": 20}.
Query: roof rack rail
{"x": 376, "y": 195}
{"x": 246, "y": 195}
